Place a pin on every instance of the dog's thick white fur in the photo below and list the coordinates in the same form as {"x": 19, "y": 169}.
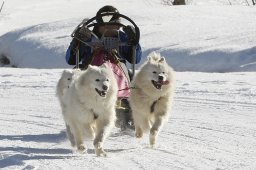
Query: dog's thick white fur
{"x": 64, "y": 82}
{"x": 89, "y": 107}
{"x": 151, "y": 98}
{"x": 63, "y": 85}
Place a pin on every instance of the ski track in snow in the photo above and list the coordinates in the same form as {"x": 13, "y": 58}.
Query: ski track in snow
{"x": 212, "y": 126}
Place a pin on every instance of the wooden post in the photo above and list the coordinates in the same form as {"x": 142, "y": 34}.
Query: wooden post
{"x": 179, "y": 2}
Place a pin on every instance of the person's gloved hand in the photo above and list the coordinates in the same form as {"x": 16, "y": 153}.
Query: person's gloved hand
{"x": 83, "y": 34}
{"x": 131, "y": 34}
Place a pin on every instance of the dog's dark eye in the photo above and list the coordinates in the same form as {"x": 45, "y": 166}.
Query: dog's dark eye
{"x": 163, "y": 72}
{"x": 107, "y": 80}
{"x": 97, "y": 80}
{"x": 69, "y": 78}
{"x": 154, "y": 72}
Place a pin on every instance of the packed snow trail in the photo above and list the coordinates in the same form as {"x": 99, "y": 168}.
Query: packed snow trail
{"x": 212, "y": 126}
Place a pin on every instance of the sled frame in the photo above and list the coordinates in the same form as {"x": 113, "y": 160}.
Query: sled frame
{"x": 101, "y": 42}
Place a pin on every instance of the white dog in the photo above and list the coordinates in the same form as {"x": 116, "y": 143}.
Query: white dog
{"x": 151, "y": 98}
{"x": 89, "y": 107}
{"x": 63, "y": 84}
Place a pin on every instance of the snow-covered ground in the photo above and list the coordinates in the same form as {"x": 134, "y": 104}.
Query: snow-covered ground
{"x": 213, "y": 121}
{"x": 212, "y": 126}
{"x": 206, "y": 38}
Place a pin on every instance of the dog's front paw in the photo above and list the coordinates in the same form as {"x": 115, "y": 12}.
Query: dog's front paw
{"x": 100, "y": 152}
{"x": 152, "y": 140}
{"x": 138, "y": 133}
{"x": 81, "y": 148}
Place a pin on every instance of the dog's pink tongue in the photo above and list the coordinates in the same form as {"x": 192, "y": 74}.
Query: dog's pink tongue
{"x": 166, "y": 82}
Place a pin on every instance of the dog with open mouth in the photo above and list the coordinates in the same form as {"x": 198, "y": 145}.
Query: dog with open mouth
{"x": 89, "y": 107}
{"x": 152, "y": 95}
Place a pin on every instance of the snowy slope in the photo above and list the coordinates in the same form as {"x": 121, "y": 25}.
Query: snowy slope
{"x": 205, "y": 38}
{"x": 213, "y": 121}
{"x": 212, "y": 126}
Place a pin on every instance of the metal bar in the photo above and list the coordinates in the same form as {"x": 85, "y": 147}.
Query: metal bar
{"x": 133, "y": 60}
{"x": 98, "y": 43}
{"x": 77, "y": 57}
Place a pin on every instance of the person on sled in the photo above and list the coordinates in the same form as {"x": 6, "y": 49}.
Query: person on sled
{"x": 108, "y": 29}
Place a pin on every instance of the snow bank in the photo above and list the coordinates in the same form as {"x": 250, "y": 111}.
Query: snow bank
{"x": 192, "y": 38}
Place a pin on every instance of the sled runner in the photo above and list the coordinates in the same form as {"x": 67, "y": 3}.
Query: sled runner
{"x": 106, "y": 51}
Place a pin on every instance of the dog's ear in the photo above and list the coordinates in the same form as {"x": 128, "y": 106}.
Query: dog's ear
{"x": 65, "y": 72}
{"x": 155, "y": 57}
{"x": 162, "y": 59}
{"x": 75, "y": 71}
{"x": 104, "y": 66}
{"x": 90, "y": 67}
{"x": 150, "y": 59}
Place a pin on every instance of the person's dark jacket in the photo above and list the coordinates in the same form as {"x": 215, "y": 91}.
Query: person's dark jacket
{"x": 85, "y": 52}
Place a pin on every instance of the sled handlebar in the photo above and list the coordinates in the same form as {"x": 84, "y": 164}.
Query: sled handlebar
{"x": 89, "y": 23}
{"x": 93, "y": 22}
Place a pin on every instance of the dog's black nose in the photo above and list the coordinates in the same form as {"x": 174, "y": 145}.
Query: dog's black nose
{"x": 161, "y": 78}
{"x": 104, "y": 87}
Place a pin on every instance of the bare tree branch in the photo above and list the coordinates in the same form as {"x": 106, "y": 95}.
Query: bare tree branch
{"x": 2, "y": 6}
{"x": 247, "y": 2}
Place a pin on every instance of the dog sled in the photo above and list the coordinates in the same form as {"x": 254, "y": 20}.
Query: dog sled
{"x": 111, "y": 44}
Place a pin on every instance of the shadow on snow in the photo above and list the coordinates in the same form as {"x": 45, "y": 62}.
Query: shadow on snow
{"x": 50, "y": 138}
{"x": 16, "y": 155}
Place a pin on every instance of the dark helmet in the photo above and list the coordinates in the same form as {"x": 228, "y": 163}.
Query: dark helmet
{"x": 108, "y": 18}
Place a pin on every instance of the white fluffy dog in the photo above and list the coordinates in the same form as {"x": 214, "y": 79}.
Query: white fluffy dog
{"x": 64, "y": 82}
{"x": 89, "y": 107}
{"x": 151, "y": 98}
